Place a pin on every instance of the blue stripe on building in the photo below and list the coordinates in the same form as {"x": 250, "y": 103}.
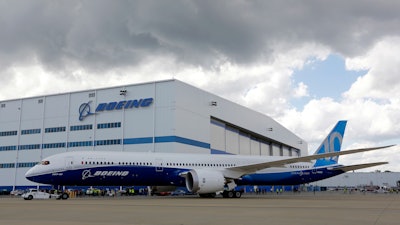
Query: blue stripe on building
{"x": 182, "y": 141}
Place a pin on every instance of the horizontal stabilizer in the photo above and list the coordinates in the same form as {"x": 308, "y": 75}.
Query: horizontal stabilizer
{"x": 358, "y": 166}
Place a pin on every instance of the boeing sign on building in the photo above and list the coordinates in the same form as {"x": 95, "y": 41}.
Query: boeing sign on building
{"x": 85, "y": 110}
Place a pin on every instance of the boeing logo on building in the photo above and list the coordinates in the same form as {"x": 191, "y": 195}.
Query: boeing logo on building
{"x": 85, "y": 110}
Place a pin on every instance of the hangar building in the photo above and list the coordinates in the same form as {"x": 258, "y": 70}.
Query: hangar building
{"x": 161, "y": 116}
{"x": 361, "y": 179}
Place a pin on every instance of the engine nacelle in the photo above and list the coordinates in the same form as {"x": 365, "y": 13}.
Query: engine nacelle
{"x": 204, "y": 181}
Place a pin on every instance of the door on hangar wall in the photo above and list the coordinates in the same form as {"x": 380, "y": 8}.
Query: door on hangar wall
{"x": 228, "y": 139}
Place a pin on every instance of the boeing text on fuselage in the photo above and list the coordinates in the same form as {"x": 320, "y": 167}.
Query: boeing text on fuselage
{"x": 88, "y": 174}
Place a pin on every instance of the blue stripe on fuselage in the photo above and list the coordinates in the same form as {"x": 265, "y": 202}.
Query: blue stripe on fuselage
{"x": 149, "y": 176}
{"x": 116, "y": 176}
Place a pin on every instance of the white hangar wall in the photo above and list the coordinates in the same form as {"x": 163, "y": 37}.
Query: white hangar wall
{"x": 162, "y": 116}
{"x": 229, "y": 127}
{"x": 361, "y": 179}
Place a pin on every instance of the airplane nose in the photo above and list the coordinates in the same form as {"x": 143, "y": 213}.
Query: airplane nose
{"x": 30, "y": 174}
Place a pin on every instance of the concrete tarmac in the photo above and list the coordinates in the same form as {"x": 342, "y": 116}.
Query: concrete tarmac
{"x": 290, "y": 209}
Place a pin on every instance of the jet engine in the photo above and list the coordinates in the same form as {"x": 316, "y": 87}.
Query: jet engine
{"x": 204, "y": 181}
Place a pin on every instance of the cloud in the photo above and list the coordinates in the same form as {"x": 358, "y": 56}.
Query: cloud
{"x": 103, "y": 35}
{"x": 371, "y": 106}
{"x": 300, "y": 91}
{"x": 382, "y": 80}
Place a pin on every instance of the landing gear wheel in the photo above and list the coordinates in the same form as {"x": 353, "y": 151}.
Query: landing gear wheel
{"x": 64, "y": 196}
{"x": 238, "y": 194}
{"x": 232, "y": 194}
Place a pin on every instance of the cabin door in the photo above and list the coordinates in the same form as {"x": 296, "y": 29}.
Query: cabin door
{"x": 69, "y": 162}
{"x": 159, "y": 165}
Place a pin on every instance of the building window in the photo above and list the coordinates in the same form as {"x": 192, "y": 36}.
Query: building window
{"x": 108, "y": 142}
{"x": 80, "y": 144}
{"x": 54, "y": 129}
{"x": 81, "y": 127}
{"x": 7, "y": 165}
{"x": 40, "y": 101}
{"x": 30, "y": 131}
{"x": 3, "y": 105}
{"x": 8, "y": 133}
{"x": 29, "y": 147}
{"x": 8, "y": 148}
{"x": 26, "y": 164}
{"x": 54, "y": 145}
{"x": 108, "y": 125}
{"x": 92, "y": 95}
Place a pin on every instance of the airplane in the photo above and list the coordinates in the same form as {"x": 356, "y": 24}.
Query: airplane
{"x": 203, "y": 174}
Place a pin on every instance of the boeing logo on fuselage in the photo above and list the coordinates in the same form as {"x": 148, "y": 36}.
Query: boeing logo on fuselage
{"x": 85, "y": 110}
{"x": 88, "y": 174}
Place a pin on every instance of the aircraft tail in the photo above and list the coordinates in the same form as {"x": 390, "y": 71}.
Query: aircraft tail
{"x": 332, "y": 143}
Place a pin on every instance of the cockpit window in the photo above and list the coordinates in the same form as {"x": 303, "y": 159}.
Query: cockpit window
{"x": 45, "y": 162}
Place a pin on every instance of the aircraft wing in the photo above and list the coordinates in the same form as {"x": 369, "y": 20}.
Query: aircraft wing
{"x": 238, "y": 171}
{"x": 358, "y": 166}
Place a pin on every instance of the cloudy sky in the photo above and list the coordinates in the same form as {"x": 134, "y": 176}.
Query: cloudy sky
{"x": 306, "y": 64}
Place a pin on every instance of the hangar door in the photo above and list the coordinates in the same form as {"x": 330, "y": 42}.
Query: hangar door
{"x": 228, "y": 139}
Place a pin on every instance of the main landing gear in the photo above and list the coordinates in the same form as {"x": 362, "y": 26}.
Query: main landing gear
{"x": 232, "y": 194}
{"x": 225, "y": 194}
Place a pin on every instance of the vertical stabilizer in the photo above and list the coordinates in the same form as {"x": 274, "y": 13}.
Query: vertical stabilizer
{"x": 332, "y": 143}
